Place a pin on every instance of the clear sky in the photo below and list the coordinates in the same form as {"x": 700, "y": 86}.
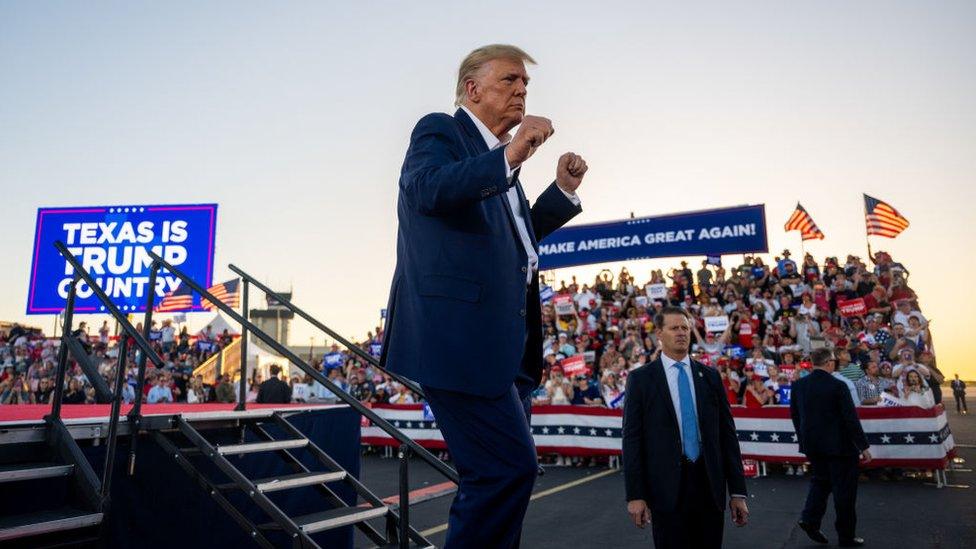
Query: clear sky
{"x": 295, "y": 116}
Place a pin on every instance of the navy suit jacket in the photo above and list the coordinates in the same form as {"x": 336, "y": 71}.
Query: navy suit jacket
{"x": 824, "y": 417}
{"x": 460, "y": 315}
{"x": 652, "y": 449}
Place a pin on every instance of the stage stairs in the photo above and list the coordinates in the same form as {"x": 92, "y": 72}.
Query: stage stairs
{"x": 77, "y": 509}
{"x": 52, "y": 496}
{"x": 50, "y": 493}
{"x": 188, "y": 444}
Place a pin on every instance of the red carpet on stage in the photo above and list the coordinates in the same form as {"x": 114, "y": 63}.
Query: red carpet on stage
{"x": 36, "y": 412}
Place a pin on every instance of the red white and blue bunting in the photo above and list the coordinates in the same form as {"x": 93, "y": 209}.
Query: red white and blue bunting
{"x": 899, "y": 436}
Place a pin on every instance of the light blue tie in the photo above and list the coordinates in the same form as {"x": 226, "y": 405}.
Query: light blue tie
{"x": 689, "y": 417}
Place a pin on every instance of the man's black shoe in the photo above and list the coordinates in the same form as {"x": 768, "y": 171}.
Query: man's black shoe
{"x": 542, "y": 470}
{"x": 813, "y": 532}
{"x": 853, "y": 542}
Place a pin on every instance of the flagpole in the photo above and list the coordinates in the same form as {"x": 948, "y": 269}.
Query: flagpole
{"x": 867, "y": 234}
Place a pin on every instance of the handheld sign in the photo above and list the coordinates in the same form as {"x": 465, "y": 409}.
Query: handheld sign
{"x": 852, "y": 307}
{"x": 656, "y": 291}
{"x": 574, "y": 366}
{"x": 716, "y": 323}
{"x": 563, "y": 305}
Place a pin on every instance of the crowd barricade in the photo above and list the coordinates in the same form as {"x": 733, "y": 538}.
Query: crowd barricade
{"x": 904, "y": 436}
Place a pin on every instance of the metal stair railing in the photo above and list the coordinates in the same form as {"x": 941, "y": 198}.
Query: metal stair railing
{"x": 129, "y": 332}
{"x": 407, "y": 445}
{"x": 316, "y": 375}
{"x": 413, "y": 386}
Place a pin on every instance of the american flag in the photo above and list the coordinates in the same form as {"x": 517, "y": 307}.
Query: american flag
{"x": 801, "y": 221}
{"x": 180, "y": 299}
{"x": 882, "y": 219}
{"x": 227, "y": 292}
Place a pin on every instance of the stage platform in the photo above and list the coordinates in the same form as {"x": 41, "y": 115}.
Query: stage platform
{"x": 160, "y": 505}
{"x": 24, "y": 423}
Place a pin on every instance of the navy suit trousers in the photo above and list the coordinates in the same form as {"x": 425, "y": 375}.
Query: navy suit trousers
{"x": 492, "y": 448}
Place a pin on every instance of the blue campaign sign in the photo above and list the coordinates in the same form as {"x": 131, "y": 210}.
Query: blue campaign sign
{"x": 711, "y": 232}
{"x": 112, "y": 244}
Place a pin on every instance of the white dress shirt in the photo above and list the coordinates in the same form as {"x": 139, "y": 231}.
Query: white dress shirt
{"x": 512, "y": 195}
{"x": 672, "y": 374}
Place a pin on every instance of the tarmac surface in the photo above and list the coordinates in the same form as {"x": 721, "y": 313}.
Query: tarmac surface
{"x": 584, "y": 507}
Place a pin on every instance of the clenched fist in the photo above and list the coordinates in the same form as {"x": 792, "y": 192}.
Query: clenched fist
{"x": 532, "y": 133}
{"x": 570, "y": 171}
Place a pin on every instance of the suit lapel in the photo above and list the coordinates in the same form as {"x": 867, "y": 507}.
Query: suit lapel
{"x": 474, "y": 136}
{"x": 700, "y": 390}
{"x": 475, "y": 139}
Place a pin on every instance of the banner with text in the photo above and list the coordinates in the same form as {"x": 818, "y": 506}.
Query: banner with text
{"x": 712, "y": 232}
{"x": 113, "y": 243}
{"x": 852, "y": 307}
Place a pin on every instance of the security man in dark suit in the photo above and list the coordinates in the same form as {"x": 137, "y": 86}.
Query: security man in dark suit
{"x": 830, "y": 435}
{"x": 273, "y": 390}
{"x": 680, "y": 450}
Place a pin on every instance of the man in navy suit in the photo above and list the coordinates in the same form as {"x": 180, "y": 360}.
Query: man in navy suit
{"x": 830, "y": 434}
{"x": 466, "y": 277}
{"x": 680, "y": 450}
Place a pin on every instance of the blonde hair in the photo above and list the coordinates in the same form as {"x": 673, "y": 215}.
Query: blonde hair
{"x": 477, "y": 59}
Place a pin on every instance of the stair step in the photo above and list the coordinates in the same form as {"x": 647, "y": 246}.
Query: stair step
{"x": 334, "y": 518}
{"x": 252, "y": 447}
{"x": 45, "y": 522}
{"x": 285, "y": 482}
{"x": 28, "y": 471}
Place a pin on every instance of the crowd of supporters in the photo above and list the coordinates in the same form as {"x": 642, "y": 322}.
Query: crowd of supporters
{"x": 755, "y": 323}
{"x": 28, "y": 359}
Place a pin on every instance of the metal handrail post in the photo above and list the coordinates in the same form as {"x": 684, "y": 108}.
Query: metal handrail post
{"x": 59, "y": 375}
{"x": 135, "y": 415}
{"x": 242, "y": 391}
{"x": 404, "y": 508}
{"x": 113, "y": 423}
{"x": 146, "y": 328}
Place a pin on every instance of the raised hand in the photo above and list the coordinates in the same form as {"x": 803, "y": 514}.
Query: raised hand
{"x": 570, "y": 171}
{"x": 532, "y": 133}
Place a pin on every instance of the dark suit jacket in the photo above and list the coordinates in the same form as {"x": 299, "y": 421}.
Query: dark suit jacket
{"x": 824, "y": 417}
{"x": 459, "y": 315}
{"x": 652, "y": 442}
{"x": 274, "y": 391}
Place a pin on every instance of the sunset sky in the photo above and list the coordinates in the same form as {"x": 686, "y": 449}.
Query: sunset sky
{"x": 294, "y": 117}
